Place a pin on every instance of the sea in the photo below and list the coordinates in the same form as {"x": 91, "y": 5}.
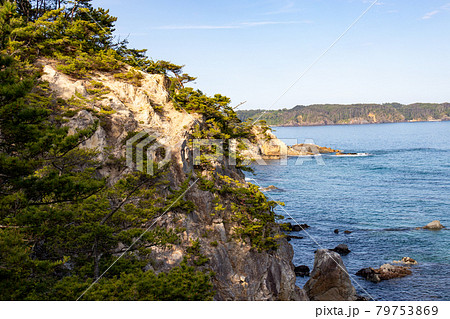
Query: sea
{"x": 400, "y": 181}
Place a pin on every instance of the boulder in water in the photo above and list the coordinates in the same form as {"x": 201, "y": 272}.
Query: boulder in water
{"x": 434, "y": 225}
{"x": 269, "y": 188}
{"x": 329, "y": 279}
{"x": 301, "y": 271}
{"x": 385, "y": 272}
{"x": 341, "y": 249}
{"x": 347, "y": 232}
{"x": 406, "y": 260}
{"x": 369, "y": 274}
{"x": 388, "y": 271}
{"x": 336, "y": 231}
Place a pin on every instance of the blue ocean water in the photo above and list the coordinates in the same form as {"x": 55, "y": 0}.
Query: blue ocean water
{"x": 381, "y": 198}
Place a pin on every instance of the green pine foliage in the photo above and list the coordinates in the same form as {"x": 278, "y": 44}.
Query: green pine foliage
{"x": 254, "y": 217}
{"x": 220, "y": 122}
{"x": 179, "y": 284}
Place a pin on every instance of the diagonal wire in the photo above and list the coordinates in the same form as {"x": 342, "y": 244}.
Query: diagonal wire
{"x": 139, "y": 238}
{"x": 318, "y": 59}
{"x": 317, "y": 243}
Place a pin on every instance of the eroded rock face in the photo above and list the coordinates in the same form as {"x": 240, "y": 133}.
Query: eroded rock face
{"x": 241, "y": 273}
{"x": 329, "y": 279}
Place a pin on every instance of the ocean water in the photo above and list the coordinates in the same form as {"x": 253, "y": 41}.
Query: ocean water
{"x": 404, "y": 183}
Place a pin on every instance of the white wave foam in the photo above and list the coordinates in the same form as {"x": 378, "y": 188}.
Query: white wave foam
{"x": 353, "y": 155}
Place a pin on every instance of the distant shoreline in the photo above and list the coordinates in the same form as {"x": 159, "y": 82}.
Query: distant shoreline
{"x": 340, "y": 114}
{"x": 350, "y": 124}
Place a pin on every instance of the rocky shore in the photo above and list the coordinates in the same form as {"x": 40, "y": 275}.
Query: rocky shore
{"x": 268, "y": 147}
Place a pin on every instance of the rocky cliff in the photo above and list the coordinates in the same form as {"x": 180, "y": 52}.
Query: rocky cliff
{"x": 241, "y": 272}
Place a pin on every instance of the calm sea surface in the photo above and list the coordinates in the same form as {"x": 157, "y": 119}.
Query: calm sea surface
{"x": 381, "y": 198}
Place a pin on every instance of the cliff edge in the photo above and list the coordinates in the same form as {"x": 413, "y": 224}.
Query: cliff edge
{"x": 241, "y": 271}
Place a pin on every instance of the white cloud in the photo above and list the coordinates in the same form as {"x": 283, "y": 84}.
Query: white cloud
{"x": 195, "y": 27}
{"x": 430, "y": 14}
{"x": 230, "y": 26}
{"x": 289, "y": 7}
{"x": 445, "y": 7}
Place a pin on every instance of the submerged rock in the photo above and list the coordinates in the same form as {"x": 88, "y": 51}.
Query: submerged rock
{"x": 329, "y": 279}
{"x": 294, "y": 237}
{"x": 290, "y": 227}
{"x": 341, "y": 249}
{"x": 434, "y": 225}
{"x": 301, "y": 271}
{"x": 406, "y": 260}
{"x": 345, "y": 154}
{"x": 347, "y": 232}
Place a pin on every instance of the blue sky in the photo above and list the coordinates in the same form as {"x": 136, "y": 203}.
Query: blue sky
{"x": 253, "y": 50}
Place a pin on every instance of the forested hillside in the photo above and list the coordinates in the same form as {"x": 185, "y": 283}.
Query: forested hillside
{"x": 329, "y": 114}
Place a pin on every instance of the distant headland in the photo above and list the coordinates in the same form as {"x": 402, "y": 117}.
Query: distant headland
{"x": 336, "y": 114}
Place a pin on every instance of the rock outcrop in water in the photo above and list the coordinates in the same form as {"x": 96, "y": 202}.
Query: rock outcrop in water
{"x": 329, "y": 279}
{"x": 385, "y": 272}
{"x": 241, "y": 272}
{"x": 406, "y": 261}
{"x": 269, "y": 147}
{"x": 269, "y": 188}
{"x": 341, "y": 249}
{"x": 434, "y": 225}
{"x": 302, "y": 271}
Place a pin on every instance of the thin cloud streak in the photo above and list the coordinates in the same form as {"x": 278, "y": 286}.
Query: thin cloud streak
{"x": 289, "y": 7}
{"x": 230, "y": 26}
{"x": 429, "y": 15}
